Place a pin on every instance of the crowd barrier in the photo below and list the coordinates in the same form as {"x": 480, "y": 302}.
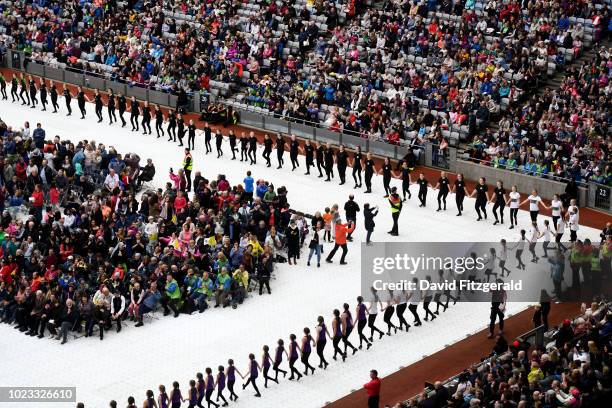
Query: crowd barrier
{"x": 546, "y": 187}
{"x": 94, "y": 81}
{"x": 593, "y": 195}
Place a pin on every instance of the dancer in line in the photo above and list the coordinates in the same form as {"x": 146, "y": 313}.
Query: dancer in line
{"x": 375, "y": 306}
{"x": 534, "y": 201}
{"x": 171, "y": 126}
{"x": 503, "y": 257}
{"x": 110, "y": 107}
{"x": 560, "y": 230}
{"x": 267, "y": 149}
{"x": 33, "y": 92}
{"x": 482, "y": 198}
{"x": 122, "y": 105}
{"x": 219, "y": 143}
{"x": 443, "y": 186}
{"x": 159, "y": 121}
{"x": 98, "y": 105}
{"x": 361, "y": 312}
{"x": 3, "y": 88}
{"x": 210, "y": 388}
{"x": 180, "y": 128}
{"x": 460, "y": 193}
{"x": 266, "y": 363}
{"x": 347, "y": 328}
{"x": 357, "y": 167}
{"x": 309, "y": 152}
{"x": 427, "y": 297}
{"x": 191, "y": 133}
{"x": 253, "y": 371}
{"x": 232, "y": 142}
{"x": 329, "y": 162}
{"x": 513, "y": 200}
{"x": 280, "y": 151}
{"x": 369, "y": 172}
{"x": 306, "y": 348}
{"x": 320, "y": 158}
{"x": 42, "y": 91}
{"x": 396, "y": 209}
{"x": 244, "y": 147}
{"x": 67, "y": 100}
{"x": 322, "y": 335}
{"x": 294, "y": 355}
{"x": 402, "y": 304}
{"x": 423, "y": 185}
{"x": 499, "y": 199}
{"x": 134, "y": 114}
{"x": 337, "y": 330}
{"x": 342, "y": 163}
{"x": 545, "y": 233}
{"x": 386, "y": 173}
{"x": 163, "y": 400}
{"x": 406, "y": 180}
{"x": 389, "y": 311}
{"x": 81, "y": 99}
{"x": 294, "y": 149}
{"x": 220, "y": 381}
{"x": 278, "y": 359}
{"x": 230, "y": 374}
{"x": 54, "y": 96}
{"x": 252, "y": 153}
{"x": 415, "y": 299}
{"x": 556, "y": 207}
{"x": 176, "y": 398}
{"x": 520, "y": 247}
{"x": 207, "y": 138}
{"x": 146, "y": 118}
{"x": 534, "y": 234}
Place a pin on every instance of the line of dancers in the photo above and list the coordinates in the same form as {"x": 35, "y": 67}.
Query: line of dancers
{"x": 270, "y": 364}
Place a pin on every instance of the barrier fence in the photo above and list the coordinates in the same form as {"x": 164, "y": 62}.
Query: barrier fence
{"x": 430, "y": 155}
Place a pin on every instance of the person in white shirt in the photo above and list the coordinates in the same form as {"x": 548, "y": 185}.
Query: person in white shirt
{"x": 513, "y": 202}
{"x": 546, "y": 234}
{"x": 560, "y": 230}
{"x": 573, "y": 221}
{"x": 534, "y": 234}
{"x": 534, "y": 201}
{"x": 111, "y": 181}
{"x": 503, "y": 257}
{"x": 556, "y": 207}
{"x": 117, "y": 306}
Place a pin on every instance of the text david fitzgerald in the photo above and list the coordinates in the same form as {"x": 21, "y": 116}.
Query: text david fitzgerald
{"x": 462, "y": 284}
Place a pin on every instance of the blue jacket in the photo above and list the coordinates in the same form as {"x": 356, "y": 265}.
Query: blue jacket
{"x": 38, "y": 136}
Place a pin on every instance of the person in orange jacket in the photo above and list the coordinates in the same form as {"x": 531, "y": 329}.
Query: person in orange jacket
{"x": 342, "y": 230}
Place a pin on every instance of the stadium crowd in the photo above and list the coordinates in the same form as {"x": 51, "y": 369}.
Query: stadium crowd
{"x": 79, "y": 251}
{"x": 571, "y": 371}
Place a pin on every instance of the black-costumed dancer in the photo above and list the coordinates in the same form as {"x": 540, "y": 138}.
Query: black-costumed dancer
{"x": 460, "y": 193}
{"x": 499, "y": 199}
{"x": 361, "y": 312}
{"x": 253, "y": 371}
{"x": 347, "y": 328}
{"x": 266, "y": 363}
{"x": 357, "y": 167}
{"x": 307, "y": 344}
{"x": 322, "y": 335}
{"x": 482, "y": 198}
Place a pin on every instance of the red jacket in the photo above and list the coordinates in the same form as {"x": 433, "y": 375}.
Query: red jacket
{"x": 39, "y": 199}
{"x": 341, "y": 232}
{"x": 373, "y": 387}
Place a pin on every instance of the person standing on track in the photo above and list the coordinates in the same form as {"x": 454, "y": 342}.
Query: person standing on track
{"x": 180, "y": 128}
{"x": 342, "y": 164}
{"x": 406, "y": 181}
{"x": 499, "y": 199}
{"x": 396, "y": 208}
{"x": 207, "y": 138}
{"x": 498, "y": 307}
{"x": 294, "y": 150}
{"x": 280, "y": 150}
{"x": 309, "y": 152}
{"x": 122, "y": 105}
{"x": 267, "y": 149}
{"x": 373, "y": 389}
{"x": 252, "y": 153}
{"x": 187, "y": 168}
{"x": 191, "y": 133}
{"x": 351, "y": 208}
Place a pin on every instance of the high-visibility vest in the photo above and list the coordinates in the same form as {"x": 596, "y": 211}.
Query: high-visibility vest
{"x": 190, "y": 165}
